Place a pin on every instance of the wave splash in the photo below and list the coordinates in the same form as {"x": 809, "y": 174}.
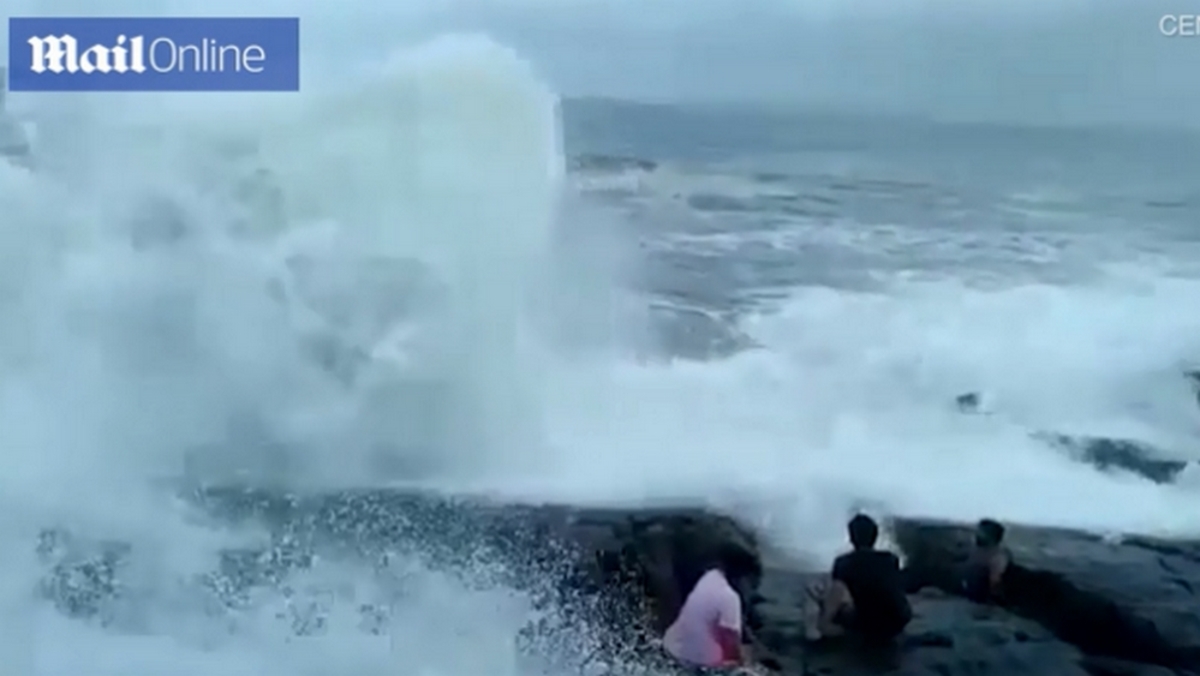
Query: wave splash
{"x": 334, "y": 292}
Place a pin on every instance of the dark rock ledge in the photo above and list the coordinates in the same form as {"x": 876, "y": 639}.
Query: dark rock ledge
{"x": 1116, "y": 607}
{"x": 1107, "y": 454}
{"x": 1077, "y": 604}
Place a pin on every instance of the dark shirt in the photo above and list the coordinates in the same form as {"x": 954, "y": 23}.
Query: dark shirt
{"x": 877, "y": 587}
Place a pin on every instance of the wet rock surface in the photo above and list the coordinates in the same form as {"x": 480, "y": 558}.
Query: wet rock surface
{"x": 1075, "y": 604}
{"x": 1105, "y": 454}
{"x": 1130, "y": 604}
{"x": 1120, "y": 454}
{"x": 947, "y": 636}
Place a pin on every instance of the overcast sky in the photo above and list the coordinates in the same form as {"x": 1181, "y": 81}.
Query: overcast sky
{"x": 1045, "y": 61}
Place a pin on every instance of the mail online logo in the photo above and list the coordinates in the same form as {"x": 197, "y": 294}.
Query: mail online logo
{"x": 153, "y": 54}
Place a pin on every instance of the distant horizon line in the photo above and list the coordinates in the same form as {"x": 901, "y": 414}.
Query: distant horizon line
{"x": 801, "y": 108}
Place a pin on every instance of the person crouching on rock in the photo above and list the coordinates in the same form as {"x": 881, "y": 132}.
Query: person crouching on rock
{"x": 983, "y": 580}
{"x": 708, "y": 631}
{"x": 865, "y": 596}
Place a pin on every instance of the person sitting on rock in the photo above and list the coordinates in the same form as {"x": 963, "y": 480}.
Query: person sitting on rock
{"x": 865, "y": 596}
{"x": 984, "y": 576}
{"x": 708, "y": 631}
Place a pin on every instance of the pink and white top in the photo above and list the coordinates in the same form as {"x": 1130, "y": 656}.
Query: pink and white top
{"x": 712, "y": 603}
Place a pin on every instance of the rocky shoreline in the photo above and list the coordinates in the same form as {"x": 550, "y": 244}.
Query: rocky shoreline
{"x": 1077, "y": 604}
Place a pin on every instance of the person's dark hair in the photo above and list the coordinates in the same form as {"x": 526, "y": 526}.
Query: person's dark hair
{"x": 863, "y": 531}
{"x": 989, "y": 532}
{"x": 736, "y": 561}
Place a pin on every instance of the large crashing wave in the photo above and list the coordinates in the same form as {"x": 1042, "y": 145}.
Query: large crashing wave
{"x": 325, "y": 289}
{"x": 333, "y": 290}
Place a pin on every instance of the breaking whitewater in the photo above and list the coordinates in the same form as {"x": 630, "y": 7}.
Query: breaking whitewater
{"x": 398, "y": 282}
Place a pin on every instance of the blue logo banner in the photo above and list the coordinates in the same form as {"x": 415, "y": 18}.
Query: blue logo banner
{"x": 145, "y": 54}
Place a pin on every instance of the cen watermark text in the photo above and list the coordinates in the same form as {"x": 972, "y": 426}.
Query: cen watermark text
{"x": 1179, "y": 25}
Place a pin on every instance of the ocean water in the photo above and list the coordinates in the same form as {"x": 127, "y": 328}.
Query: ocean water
{"x": 425, "y": 275}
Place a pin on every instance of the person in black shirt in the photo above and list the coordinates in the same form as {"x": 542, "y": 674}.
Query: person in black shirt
{"x": 866, "y": 595}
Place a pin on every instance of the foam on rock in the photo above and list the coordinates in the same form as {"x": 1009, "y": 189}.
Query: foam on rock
{"x": 1076, "y": 604}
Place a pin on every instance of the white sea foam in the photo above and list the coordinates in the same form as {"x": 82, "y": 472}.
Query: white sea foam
{"x": 141, "y": 328}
